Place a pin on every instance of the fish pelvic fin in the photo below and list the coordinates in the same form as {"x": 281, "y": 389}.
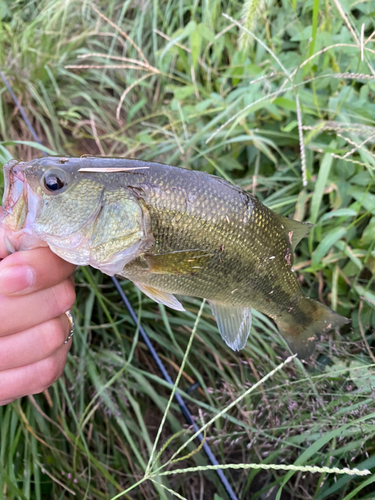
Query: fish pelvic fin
{"x": 302, "y": 337}
{"x": 295, "y": 230}
{"x": 233, "y": 322}
{"x": 160, "y": 297}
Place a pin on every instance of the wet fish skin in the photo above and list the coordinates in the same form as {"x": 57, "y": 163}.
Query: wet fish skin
{"x": 176, "y": 231}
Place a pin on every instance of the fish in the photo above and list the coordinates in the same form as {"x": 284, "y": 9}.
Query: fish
{"x": 171, "y": 231}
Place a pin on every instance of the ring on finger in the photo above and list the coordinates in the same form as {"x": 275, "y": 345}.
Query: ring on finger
{"x": 71, "y": 323}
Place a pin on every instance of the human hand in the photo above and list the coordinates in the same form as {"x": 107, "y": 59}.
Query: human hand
{"x": 36, "y": 288}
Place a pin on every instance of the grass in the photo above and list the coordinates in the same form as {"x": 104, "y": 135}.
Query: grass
{"x": 289, "y": 118}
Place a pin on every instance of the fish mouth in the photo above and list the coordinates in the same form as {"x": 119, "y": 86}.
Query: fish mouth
{"x": 15, "y": 196}
{"x": 20, "y": 207}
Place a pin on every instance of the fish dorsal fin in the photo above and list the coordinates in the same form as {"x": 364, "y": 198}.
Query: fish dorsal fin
{"x": 234, "y": 323}
{"x": 160, "y": 297}
{"x": 295, "y": 230}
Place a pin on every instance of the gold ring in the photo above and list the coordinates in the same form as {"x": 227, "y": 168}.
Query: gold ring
{"x": 71, "y": 323}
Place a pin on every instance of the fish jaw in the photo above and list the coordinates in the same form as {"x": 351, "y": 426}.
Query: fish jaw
{"x": 14, "y": 203}
{"x": 20, "y": 206}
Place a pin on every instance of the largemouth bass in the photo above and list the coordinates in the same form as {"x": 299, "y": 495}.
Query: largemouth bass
{"x": 170, "y": 231}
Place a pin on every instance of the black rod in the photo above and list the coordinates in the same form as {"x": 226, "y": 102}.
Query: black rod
{"x": 20, "y": 109}
{"x": 179, "y": 399}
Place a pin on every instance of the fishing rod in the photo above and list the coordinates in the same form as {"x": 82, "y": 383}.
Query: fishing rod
{"x": 180, "y": 401}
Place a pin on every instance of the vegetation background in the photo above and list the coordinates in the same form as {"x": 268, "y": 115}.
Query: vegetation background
{"x": 283, "y": 107}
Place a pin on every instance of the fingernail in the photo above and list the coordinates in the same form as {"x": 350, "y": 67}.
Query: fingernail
{"x": 15, "y": 279}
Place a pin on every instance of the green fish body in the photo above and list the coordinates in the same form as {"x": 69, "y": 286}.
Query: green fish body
{"x": 170, "y": 231}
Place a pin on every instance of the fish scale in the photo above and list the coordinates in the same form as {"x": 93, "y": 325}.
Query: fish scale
{"x": 169, "y": 221}
{"x": 170, "y": 231}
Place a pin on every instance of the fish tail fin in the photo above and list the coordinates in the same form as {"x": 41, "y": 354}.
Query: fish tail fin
{"x": 301, "y": 335}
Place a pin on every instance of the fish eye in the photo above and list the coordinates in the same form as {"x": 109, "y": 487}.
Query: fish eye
{"x": 54, "y": 181}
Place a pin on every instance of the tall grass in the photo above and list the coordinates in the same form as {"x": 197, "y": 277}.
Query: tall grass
{"x": 289, "y": 118}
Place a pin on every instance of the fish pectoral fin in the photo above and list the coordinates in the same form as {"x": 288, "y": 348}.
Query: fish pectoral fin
{"x": 160, "y": 297}
{"x": 234, "y": 323}
{"x": 179, "y": 262}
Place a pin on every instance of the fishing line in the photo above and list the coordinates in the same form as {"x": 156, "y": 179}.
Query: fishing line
{"x": 20, "y": 109}
{"x": 181, "y": 403}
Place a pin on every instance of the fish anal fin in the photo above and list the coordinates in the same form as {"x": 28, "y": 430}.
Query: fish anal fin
{"x": 160, "y": 297}
{"x": 295, "y": 230}
{"x": 179, "y": 262}
{"x": 234, "y": 323}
